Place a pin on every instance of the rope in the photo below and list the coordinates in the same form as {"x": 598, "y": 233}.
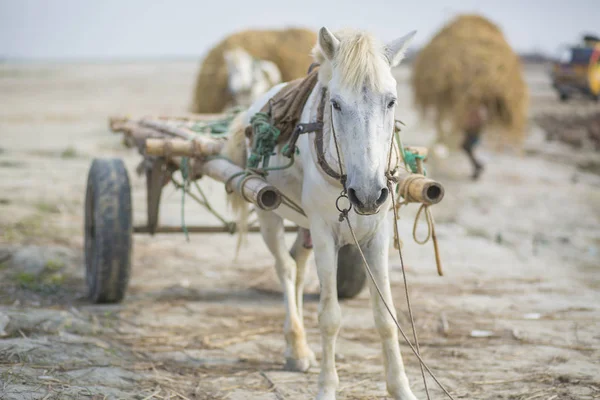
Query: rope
{"x": 416, "y": 352}
{"x": 429, "y": 224}
{"x": 428, "y": 217}
{"x": 217, "y": 128}
{"x": 344, "y": 216}
{"x": 399, "y": 248}
{"x": 265, "y": 140}
{"x": 409, "y": 157}
{"x": 412, "y": 322}
{"x": 231, "y": 226}
{"x": 185, "y": 176}
{"x": 291, "y": 204}
{"x": 206, "y": 203}
{"x": 266, "y": 136}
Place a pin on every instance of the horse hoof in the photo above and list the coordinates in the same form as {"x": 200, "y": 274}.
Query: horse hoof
{"x": 312, "y": 359}
{"x": 405, "y": 395}
{"x": 297, "y": 365}
{"x": 326, "y": 395}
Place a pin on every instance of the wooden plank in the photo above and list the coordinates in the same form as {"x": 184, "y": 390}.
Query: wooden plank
{"x": 200, "y": 229}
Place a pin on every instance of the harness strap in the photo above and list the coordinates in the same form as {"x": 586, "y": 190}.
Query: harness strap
{"x": 300, "y": 129}
{"x": 313, "y": 66}
{"x": 318, "y": 143}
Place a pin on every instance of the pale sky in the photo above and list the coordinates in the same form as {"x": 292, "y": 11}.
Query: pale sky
{"x": 104, "y": 29}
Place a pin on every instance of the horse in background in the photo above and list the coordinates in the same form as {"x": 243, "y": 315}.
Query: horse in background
{"x": 247, "y": 77}
{"x": 288, "y": 48}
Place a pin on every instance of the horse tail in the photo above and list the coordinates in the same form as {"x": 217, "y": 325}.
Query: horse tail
{"x": 235, "y": 150}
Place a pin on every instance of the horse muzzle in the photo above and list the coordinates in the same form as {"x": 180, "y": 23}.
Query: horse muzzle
{"x": 367, "y": 203}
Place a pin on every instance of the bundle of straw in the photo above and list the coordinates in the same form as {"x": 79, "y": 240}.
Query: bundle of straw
{"x": 289, "y": 49}
{"x": 468, "y": 63}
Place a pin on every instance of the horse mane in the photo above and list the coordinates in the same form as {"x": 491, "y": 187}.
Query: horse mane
{"x": 360, "y": 61}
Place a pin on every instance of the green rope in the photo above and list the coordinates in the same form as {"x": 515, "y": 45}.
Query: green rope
{"x": 185, "y": 176}
{"x": 217, "y": 128}
{"x": 205, "y": 203}
{"x": 287, "y": 146}
{"x": 410, "y": 158}
{"x": 265, "y": 140}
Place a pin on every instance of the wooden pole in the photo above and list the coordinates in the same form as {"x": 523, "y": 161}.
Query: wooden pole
{"x": 200, "y": 229}
{"x": 191, "y": 118}
{"x": 184, "y": 133}
{"x": 197, "y": 147}
{"x": 252, "y": 188}
{"x": 418, "y": 188}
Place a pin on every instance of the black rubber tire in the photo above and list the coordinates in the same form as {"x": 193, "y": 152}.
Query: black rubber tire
{"x": 351, "y": 274}
{"x": 108, "y": 231}
{"x": 564, "y": 97}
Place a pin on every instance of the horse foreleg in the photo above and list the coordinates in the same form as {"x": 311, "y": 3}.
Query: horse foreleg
{"x": 330, "y": 315}
{"x": 297, "y": 354}
{"x": 376, "y": 254}
{"x": 301, "y": 252}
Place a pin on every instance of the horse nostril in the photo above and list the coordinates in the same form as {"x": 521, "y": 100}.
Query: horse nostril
{"x": 383, "y": 197}
{"x": 353, "y": 198}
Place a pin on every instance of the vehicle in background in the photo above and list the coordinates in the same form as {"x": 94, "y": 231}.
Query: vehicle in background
{"x": 577, "y": 72}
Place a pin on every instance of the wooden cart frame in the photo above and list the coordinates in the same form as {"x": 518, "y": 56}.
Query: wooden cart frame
{"x": 108, "y": 205}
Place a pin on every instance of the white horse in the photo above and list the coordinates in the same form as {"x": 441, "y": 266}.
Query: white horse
{"x": 248, "y": 78}
{"x": 355, "y": 70}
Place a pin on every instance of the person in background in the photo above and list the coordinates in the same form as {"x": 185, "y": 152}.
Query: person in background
{"x": 474, "y": 123}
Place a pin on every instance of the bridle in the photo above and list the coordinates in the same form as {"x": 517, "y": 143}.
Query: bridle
{"x": 326, "y": 168}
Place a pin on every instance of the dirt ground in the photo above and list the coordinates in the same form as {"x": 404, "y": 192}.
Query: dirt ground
{"x": 520, "y": 250}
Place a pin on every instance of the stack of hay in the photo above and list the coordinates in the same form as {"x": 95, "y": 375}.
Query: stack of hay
{"x": 468, "y": 63}
{"x": 289, "y": 49}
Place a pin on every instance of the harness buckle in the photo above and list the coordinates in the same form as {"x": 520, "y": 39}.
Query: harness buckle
{"x": 289, "y": 150}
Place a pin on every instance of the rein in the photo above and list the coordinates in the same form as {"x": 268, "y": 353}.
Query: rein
{"x": 344, "y": 216}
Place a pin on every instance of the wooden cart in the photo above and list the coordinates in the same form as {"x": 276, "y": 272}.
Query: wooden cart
{"x": 187, "y": 144}
{"x": 108, "y": 206}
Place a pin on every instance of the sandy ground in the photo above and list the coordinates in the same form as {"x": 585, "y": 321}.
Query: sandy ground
{"x": 520, "y": 249}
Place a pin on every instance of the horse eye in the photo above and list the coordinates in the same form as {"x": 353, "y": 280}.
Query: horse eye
{"x": 391, "y": 104}
{"x": 335, "y": 105}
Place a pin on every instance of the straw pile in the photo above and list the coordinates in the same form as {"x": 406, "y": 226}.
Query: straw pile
{"x": 289, "y": 49}
{"x": 469, "y": 63}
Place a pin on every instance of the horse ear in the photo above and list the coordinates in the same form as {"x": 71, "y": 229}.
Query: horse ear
{"x": 396, "y": 49}
{"x": 328, "y": 43}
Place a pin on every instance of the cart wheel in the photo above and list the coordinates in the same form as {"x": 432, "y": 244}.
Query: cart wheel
{"x": 351, "y": 275}
{"x": 108, "y": 231}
